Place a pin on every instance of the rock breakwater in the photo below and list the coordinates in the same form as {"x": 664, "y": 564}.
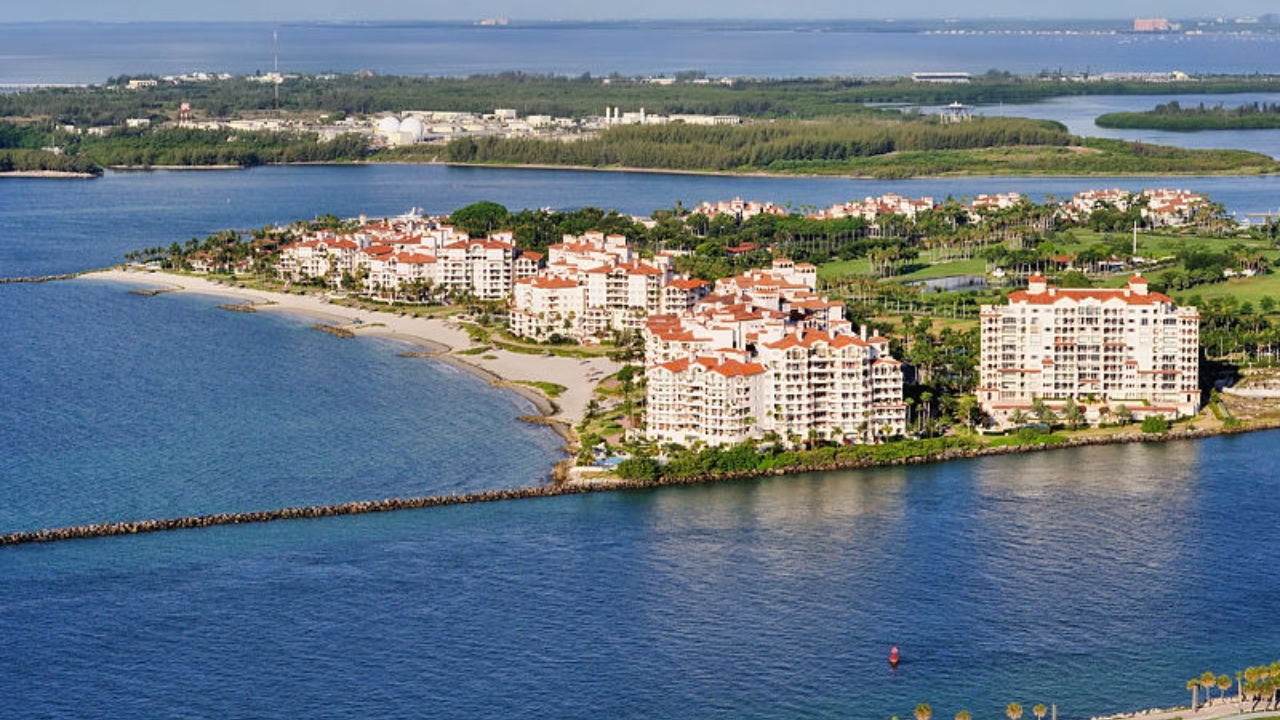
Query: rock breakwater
{"x": 39, "y": 278}
{"x": 138, "y": 527}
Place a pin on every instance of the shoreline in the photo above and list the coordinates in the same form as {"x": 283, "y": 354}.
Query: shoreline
{"x": 644, "y": 171}
{"x": 439, "y": 339}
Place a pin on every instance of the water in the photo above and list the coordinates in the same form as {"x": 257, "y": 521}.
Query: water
{"x": 1078, "y": 114}
{"x": 93, "y": 52}
{"x": 165, "y": 406}
{"x": 58, "y": 226}
{"x": 1096, "y": 579}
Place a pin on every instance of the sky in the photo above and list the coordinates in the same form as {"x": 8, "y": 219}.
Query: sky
{"x": 347, "y": 10}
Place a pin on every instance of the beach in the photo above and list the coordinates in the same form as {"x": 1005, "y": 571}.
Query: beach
{"x": 442, "y": 339}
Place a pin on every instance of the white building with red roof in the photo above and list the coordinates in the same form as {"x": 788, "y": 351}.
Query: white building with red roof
{"x": 801, "y": 385}
{"x": 833, "y": 386}
{"x": 1100, "y": 348}
{"x": 738, "y": 209}
{"x": 595, "y": 284}
{"x": 815, "y": 378}
{"x": 875, "y": 207}
{"x": 715, "y": 399}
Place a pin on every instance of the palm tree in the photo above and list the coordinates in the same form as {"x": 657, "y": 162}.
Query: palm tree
{"x": 1194, "y": 686}
{"x": 1014, "y": 711}
{"x": 1208, "y": 681}
{"x": 964, "y": 715}
{"x": 1039, "y": 710}
{"x": 1224, "y": 684}
{"x": 1073, "y": 414}
{"x": 923, "y": 711}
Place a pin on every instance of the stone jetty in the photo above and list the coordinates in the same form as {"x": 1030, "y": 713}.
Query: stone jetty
{"x": 138, "y": 527}
{"x": 39, "y": 278}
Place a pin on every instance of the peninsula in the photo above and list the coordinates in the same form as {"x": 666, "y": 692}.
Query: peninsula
{"x": 745, "y": 338}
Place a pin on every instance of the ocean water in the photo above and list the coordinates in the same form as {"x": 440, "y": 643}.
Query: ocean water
{"x": 80, "y": 53}
{"x": 1095, "y": 579}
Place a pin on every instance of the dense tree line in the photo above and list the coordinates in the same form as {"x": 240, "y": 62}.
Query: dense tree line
{"x": 188, "y": 146}
{"x": 679, "y": 146}
{"x": 26, "y": 148}
{"x": 45, "y": 161}
{"x": 1173, "y": 116}
{"x": 904, "y": 148}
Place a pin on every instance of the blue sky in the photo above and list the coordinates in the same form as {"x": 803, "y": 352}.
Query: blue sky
{"x": 330, "y": 10}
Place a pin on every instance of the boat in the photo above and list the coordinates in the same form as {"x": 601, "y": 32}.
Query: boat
{"x": 893, "y": 658}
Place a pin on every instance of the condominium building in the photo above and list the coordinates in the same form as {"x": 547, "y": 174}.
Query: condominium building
{"x": 594, "y": 285}
{"x": 804, "y": 385}
{"x": 1099, "y": 348}
{"x": 833, "y": 386}
{"x": 713, "y": 399}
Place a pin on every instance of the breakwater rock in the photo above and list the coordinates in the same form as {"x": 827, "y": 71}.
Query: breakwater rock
{"x": 39, "y": 278}
{"x": 335, "y": 330}
{"x": 137, "y": 527}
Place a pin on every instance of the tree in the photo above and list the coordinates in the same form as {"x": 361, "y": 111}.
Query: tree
{"x": 1014, "y": 711}
{"x": 1043, "y": 413}
{"x": 964, "y": 715}
{"x": 1224, "y": 684}
{"x": 1039, "y": 710}
{"x": 1124, "y": 415}
{"x": 923, "y": 711}
{"x": 1072, "y": 413}
{"x": 1207, "y": 680}
{"x": 1194, "y": 686}
{"x": 966, "y": 406}
{"x": 481, "y": 218}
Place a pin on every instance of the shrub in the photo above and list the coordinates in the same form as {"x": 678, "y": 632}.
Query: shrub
{"x": 1153, "y": 424}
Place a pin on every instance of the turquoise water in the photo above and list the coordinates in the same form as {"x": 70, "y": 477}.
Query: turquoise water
{"x": 124, "y": 407}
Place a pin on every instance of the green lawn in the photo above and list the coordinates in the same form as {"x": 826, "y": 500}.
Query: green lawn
{"x": 1243, "y": 289}
{"x": 862, "y": 267}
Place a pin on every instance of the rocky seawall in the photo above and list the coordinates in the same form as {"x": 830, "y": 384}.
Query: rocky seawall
{"x": 578, "y": 487}
{"x": 39, "y": 278}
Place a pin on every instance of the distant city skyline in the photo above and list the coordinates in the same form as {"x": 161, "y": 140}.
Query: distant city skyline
{"x": 516, "y": 10}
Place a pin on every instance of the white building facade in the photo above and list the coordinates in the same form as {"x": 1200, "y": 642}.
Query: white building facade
{"x": 1098, "y": 348}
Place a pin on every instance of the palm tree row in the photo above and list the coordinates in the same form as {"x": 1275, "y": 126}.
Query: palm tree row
{"x": 1013, "y": 710}
{"x": 1260, "y": 683}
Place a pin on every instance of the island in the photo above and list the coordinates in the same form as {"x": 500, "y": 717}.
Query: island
{"x": 688, "y": 123}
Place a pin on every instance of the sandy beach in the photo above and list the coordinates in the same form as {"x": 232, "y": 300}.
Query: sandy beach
{"x": 442, "y": 338}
